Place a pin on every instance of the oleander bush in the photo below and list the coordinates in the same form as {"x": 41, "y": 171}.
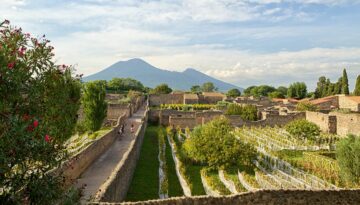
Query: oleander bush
{"x": 38, "y": 113}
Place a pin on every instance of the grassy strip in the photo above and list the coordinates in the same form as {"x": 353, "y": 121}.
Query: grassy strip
{"x": 174, "y": 184}
{"x": 213, "y": 180}
{"x": 232, "y": 175}
{"x": 189, "y": 170}
{"x": 249, "y": 176}
{"x": 145, "y": 183}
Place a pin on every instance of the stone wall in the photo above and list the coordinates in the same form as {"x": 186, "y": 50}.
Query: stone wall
{"x": 157, "y": 100}
{"x": 346, "y": 103}
{"x": 115, "y": 188}
{"x": 261, "y": 197}
{"x": 116, "y": 110}
{"x": 347, "y": 123}
{"x": 164, "y": 116}
{"x": 77, "y": 164}
{"x": 182, "y": 122}
{"x": 206, "y": 116}
{"x": 326, "y": 122}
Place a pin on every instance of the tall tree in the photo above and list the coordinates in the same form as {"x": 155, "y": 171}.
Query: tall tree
{"x": 282, "y": 90}
{"x": 195, "y": 89}
{"x": 320, "y": 89}
{"x": 338, "y": 86}
{"x": 208, "y": 87}
{"x": 95, "y": 106}
{"x": 297, "y": 90}
{"x": 233, "y": 93}
{"x": 161, "y": 89}
{"x": 357, "y": 87}
{"x": 345, "y": 83}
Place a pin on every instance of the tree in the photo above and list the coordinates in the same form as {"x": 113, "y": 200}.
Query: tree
{"x": 161, "y": 89}
{"x": 297, "y": 90}
{"x": 306, "y": 106}
{"x": 321, "y": 87}
{"x": 95, "y": 106}
{"x": 38, "y": 109}
{"x": 303, "y": 129}
{"x": 276, "y": 94}
{"x": 337, "y": 87}
{"x": 283, "y": 90}
{"x": 195, "y": 89}
{"x": 233, "y": 93}
{"x": 247, "y": 91}
{"x": 124, "y": 84}
{"x": 357, "y": 86}
{"x": 215, "y": 144}
{"x": 246, "y": 112}
{"x": 348, "y": 157}
{"x": 208, "y": 87}
{"x": 345, "y": 83}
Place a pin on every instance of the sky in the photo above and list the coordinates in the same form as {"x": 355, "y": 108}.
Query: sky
{"x": 244, "y": 42}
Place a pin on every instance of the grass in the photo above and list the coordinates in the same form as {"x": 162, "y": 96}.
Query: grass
{"x": 190, "y": 170}
{"x": 212, "y": 178}
{"x": 175, "y": 188}
{"x": 232, "y": 175}
{"x": 145, "y": 183}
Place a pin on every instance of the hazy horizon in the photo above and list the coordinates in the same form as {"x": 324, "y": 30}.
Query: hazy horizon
{"x": 244, "y": 42}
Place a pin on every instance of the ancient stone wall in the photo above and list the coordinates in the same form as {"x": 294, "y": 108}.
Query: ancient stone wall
{"x": 347, "y": 123}
{"x": 261, "y": 197}
{"x": 206, "y": 116}
{"x": 77, "y": 164}
{"x": 346, "y": 103}
{"x": 165, "y": 115}
{"x": 326, "y": 122}
{"x": 182, "y": 122}
{"x": 115, "y": 188}
{"x": 116, "y": 110}
{"x": 157, "y": 100}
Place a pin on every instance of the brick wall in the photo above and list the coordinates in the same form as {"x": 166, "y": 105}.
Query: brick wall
{"x": 347, "y": 123}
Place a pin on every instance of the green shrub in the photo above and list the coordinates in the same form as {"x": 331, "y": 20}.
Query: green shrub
{"x": 303, "y": 129}
{"x": 247, "y": 112}
{"x": 306, "y": 106}
{"x": 215, "y": 144}
{"x": 348, "y": 157}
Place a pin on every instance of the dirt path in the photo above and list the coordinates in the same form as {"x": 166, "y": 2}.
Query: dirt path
{"x": 96, "y": 174}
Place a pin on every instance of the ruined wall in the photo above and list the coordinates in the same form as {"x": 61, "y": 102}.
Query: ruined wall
{"x": 154, "y": 115}
{"x": 271, "y": 120}
{"x": 278, "y": 197}
{"x": 118, "y": 183}
{"x": 346, "y": 103}
{"x": 165, "y": 115}
{"x": 182, "y": 122}
{"x": 206, "y": 116}
{"x": 347, "y": 123}
{"x": 158, "y": 99}
{"x": 77, "y": 164}
{"x": 326, "y": 122}
{"x": 116, "y": 110}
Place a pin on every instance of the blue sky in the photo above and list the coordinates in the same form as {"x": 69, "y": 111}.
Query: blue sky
{"x": 244, "y": 42}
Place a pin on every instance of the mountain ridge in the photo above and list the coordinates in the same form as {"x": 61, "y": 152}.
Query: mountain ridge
{"x": 151, "y": 76}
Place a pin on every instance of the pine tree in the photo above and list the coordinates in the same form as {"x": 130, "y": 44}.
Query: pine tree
{"x": 345, "y": 83}
{"x": 357, "y": 87}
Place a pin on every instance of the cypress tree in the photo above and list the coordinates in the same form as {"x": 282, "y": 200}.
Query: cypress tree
{"x": 357, "y": 87}
{"x": 345, "y": 83}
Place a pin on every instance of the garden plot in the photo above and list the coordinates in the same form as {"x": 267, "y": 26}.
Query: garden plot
{"x": 212, "y": 183}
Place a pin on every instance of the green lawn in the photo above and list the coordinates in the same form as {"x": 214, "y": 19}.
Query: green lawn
{"x": 145, "y": 183}
{"x": 174, "y": 184}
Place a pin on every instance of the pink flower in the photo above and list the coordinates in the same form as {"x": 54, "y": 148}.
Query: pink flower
{"x": 47, "y": 138}
{"x": 35, "y": 123}
{"x": 11, "y": 65}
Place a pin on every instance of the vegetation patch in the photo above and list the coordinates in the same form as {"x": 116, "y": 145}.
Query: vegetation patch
{"x": 145, "y": 183}
{"x": 213, "y": 180}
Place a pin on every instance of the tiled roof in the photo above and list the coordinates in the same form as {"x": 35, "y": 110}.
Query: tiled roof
{"x": 322, "y": 100}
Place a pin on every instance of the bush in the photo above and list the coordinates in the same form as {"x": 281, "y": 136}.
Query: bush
{"x": 38, "y": 109}
{"x": 95, "y": 106}
{"x": 303, "y": 129}
{"x": 215, "y": 144}
{"x": 247, "y": 112}
{"x": 348, "y": 157}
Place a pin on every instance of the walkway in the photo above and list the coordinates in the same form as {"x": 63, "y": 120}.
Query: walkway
{"x": 96, "y": 174}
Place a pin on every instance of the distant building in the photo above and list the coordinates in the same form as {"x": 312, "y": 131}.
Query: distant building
{"x": 211, "y": 97}
{"x": 190, "y": 98}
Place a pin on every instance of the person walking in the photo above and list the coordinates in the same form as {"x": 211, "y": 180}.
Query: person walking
{"x": 132, "y": 128}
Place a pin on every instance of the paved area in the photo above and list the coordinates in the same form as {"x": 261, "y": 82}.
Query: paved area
{"x": 96, "y": 174}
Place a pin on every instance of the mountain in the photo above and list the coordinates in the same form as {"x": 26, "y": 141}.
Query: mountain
{"x": 151, "y": 76}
